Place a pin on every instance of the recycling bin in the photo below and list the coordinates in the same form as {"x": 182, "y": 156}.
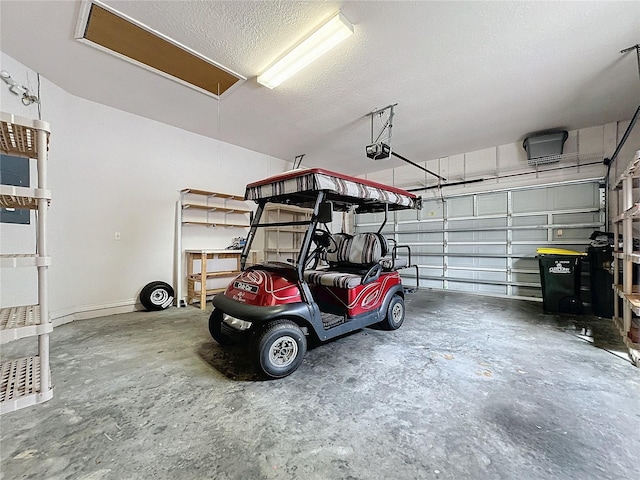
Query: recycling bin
{"x": 600, "y": 259}
{"x": 560, "y": 278}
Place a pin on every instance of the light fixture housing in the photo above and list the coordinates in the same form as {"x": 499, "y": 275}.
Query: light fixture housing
{"x": 311, "y": 48}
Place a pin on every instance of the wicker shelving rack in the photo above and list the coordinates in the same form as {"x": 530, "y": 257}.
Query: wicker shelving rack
{"x": 26, "y": 381}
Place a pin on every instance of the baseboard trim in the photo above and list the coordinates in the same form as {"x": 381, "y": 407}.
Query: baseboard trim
{"x": 83, "y": 312}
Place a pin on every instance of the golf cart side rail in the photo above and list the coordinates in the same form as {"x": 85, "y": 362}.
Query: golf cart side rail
{"x": 297, "y": 187}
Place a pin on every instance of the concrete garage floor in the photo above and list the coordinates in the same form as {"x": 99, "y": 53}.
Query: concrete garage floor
{"x": 468, "y": 388}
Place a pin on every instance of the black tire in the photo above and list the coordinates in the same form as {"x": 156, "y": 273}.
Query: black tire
{"x": 156, "y": 296}
{"x": 395, "y": 314}
{"x": 215, "y": 329}
{"x": 280, "y": 348}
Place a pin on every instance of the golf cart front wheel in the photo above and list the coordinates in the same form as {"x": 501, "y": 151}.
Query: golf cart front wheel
{"x": 156, "y": 296}
{"x": 280, "y": 348}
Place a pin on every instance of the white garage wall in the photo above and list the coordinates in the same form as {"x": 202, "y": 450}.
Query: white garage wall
{"x": 111, "y": 171}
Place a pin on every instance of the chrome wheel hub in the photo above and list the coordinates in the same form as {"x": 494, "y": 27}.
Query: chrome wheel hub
{"x": 283, "y": 351}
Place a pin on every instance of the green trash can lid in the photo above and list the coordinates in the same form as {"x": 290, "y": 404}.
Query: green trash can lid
{"x": 558, "y": 251}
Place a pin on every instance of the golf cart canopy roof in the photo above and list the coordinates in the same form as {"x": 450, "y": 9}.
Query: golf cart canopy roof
{"x": 300, "y": 187}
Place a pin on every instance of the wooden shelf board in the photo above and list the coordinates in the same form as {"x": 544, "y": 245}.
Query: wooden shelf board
{"x": 215, "y": 224}
{"x": 634, "y": 301}
{"x": 630, "y": 344}
{"x": 632, "y": 212}
{"x": 618, "y": 289}
{"x": 212, "y": 291}
{"x": 226, "y": 196}
{"x": 196, "y": 276}
{"x": 213, "y": 208}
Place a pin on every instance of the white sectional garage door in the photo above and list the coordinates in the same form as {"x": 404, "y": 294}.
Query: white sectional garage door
{"x": 486, "y": 242}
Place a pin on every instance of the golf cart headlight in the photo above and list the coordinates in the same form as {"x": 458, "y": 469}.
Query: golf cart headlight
{"x": 236, "y": 322}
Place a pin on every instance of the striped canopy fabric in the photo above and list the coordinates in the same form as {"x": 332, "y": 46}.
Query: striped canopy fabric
{"x": 309, "y": 180}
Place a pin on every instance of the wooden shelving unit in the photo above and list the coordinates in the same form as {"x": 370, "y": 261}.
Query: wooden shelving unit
{"x": 281, "y": 242}
{"x": 628, "y": 209}
{"x": 203, "y": 208}
{"x": 205, "y": 269}
{"x": 213, "y": 209}
{"x": 27, "y": 381}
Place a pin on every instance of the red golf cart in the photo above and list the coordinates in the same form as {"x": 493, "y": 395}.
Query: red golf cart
{"x": 337, "y": 284}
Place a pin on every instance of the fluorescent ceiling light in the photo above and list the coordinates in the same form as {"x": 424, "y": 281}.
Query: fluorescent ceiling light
{"x": 311, "y": 48}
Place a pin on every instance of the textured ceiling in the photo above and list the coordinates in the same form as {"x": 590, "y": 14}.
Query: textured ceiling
{"x": 465, "y": 75}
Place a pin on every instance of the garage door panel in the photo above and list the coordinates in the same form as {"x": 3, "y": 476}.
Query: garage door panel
{"x": 497, "y": 249}
{"x": 424, "y": 226}
{"x": 485, "y": 289}
{"x": 526, "y": 292}
{"x": 478, "y": 262}
{"x": 479, "y": 247}
{"x": 480, "y": 223}
{"x": 579, "y": 234}
{"x": 431, "y": 260}
{"x": 409, "y": 238}
{"x": 491, "y": 204}
{"x": 530, "y": 220}
{"x": 525, "y": 263}
{"x": 460, "y": 207}
{"x": 529, "y": 234}
{"x": 418, "y": 249}
{"x": 533, "y": 277}
{"x": 485, "y": 236}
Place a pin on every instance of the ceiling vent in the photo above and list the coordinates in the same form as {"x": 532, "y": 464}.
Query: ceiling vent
{"x": 114, "y": 32}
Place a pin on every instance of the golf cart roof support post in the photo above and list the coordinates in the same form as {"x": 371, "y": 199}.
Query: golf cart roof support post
{"x": 251, "y": 236}
{"x": 306, "y": 245}
{"x": 386, "y": 213}
{"x": 308, "y": 235}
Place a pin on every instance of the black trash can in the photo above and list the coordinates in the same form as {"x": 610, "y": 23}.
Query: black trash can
{"x": 560, "y": 278}
{"x": 600, "y": 259}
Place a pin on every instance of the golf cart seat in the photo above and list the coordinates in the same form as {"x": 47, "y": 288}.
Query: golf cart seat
{"x": 353, "y": 261}
{"x": 393, "y": 262}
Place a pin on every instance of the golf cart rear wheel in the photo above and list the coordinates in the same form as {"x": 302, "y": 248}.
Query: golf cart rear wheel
{"x": 395, "y": 314}
{"x": 280, "y": 348}
{"x": 156, "y": 295}
{"x": 215, "y": 329}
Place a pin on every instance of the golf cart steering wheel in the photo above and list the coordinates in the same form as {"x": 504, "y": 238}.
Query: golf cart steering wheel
{"x": 324, "y": 243}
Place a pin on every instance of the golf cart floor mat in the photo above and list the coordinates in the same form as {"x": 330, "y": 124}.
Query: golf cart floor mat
{"x": 330, "y": 320}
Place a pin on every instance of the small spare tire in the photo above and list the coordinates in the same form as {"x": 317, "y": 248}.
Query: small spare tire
{"x": 156, "y": 296}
